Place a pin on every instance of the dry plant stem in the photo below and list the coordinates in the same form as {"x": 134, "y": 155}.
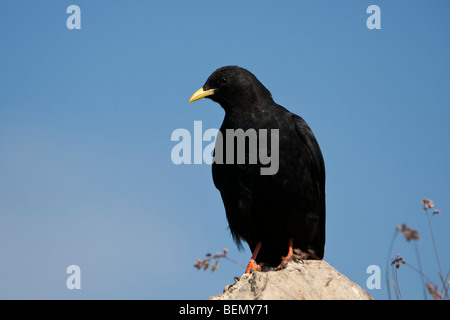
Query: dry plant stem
{"x": 388, "y": 265}
{"x": 397, "y": 262}
{"x": 205, "y": 263}
{"x": 446, "y": 286}
{"x": 434, "y": 244}
{"x": 421, "y": 271}
{"x": 396, "y": 286}
{"x": 418, "y": 271}
{"x": 234, "y": 261}
{"x": 428, "y": 286}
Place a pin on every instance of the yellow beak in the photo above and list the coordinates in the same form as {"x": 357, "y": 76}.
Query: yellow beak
{"x": 200, "y": 93}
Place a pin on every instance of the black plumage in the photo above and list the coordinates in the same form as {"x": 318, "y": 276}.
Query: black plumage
{"x": 268, "y": 209}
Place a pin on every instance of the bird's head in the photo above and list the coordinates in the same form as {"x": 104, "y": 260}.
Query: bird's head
{"x": 232, "y": 87}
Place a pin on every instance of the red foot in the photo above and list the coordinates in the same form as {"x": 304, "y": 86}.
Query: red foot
{"x": 289, "y": 255}
{"x": 252, "y": 266}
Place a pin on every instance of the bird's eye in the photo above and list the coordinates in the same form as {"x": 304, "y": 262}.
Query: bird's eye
{"x": 223, "y": 80}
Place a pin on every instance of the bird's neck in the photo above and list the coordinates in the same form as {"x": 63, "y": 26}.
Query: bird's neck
{"x": 252, "y": 104}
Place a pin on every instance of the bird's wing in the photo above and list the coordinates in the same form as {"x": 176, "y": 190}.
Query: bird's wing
{"x": 316, "y": 168}
{"x": 316, "y": 162}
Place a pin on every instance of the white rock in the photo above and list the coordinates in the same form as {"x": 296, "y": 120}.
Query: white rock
{"x": 303, "y": 280}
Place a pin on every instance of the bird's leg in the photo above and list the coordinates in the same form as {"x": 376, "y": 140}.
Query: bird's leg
{"x": 252, "y": 266}
{"x": 289, "y": 255}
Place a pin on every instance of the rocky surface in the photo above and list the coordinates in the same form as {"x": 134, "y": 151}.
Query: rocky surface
{"x": 302, "y": 280}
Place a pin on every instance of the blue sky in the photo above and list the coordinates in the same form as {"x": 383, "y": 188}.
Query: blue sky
{"x": 86, "y": 118}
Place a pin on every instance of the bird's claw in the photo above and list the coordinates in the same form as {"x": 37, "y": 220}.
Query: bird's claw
{"x": 252, "y": 266}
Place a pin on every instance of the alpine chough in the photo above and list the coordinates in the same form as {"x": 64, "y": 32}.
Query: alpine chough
{"x": 273, "y": 213}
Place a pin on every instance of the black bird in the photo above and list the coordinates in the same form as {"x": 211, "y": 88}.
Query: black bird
{"x": 273, "y": 213}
